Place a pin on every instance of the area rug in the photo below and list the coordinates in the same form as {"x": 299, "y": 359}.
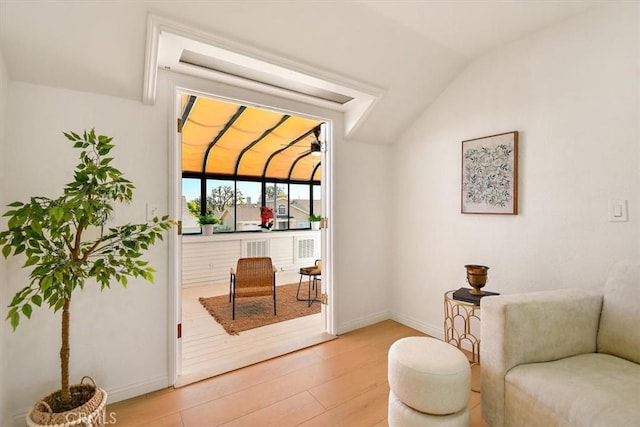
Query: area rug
{"x": 258, "y": 311}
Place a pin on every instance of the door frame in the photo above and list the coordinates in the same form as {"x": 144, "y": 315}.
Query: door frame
{"x": 174, "y": 301}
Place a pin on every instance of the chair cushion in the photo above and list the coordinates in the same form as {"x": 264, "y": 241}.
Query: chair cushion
{"x": 586, "y": 390}
{"x": 619, "y": 331}
{"x": 310, "y": 271}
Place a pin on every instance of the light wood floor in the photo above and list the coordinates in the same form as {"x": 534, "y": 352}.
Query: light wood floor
{"x": 342, "y": 382}
{"x": 208, "y": 350}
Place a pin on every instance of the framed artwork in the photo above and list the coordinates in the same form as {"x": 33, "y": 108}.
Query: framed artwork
{"x": 490, "y": 174}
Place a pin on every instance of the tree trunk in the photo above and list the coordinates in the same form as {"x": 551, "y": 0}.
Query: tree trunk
{"x": 65, "y": 393}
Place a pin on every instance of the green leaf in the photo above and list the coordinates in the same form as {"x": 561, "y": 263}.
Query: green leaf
{"x": 46, "y": 282}
{"x": 17, "y": 299}
{"x": 37, "y": 300}
{"x": 53, "y": 299}
{"x": 57, "y": 213}
{"x": 15, "y": 222}
{"x": 27, "y": 310}
{"x": 6, "y": 251}
{"x": 15, "y": 319}
{"x": 36, "y": 226}
{"x": 31, "y": 261}
{"x": 69, "y": 136}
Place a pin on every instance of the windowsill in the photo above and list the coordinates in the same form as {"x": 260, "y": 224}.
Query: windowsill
{"x": 241, "y": 235}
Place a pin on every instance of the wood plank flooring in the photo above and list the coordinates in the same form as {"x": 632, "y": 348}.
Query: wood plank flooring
{"x": 208, "y": 350}
{"x": 342, "y": 382}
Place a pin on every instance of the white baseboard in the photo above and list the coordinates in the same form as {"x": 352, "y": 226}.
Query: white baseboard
{"x": 431, "y": 330}
{"x": 412, "y": 322}
{"x": 19, "y": 418}
{"x": 113, "y": 395}
{"x": 361, "y": 322}
{"x": 136, "y": 389}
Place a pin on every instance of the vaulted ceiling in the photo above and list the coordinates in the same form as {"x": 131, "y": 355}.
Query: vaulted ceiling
{"x": 410, "y": 49}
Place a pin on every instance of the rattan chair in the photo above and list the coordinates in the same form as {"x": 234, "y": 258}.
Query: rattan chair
{"x": 253, "y": 277}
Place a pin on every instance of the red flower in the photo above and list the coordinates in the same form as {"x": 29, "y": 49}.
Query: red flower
{"x": 266, "y": 217}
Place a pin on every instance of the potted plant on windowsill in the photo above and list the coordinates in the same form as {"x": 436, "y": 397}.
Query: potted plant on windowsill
{"x": 207, "y": 222}
{"x": 314, "y": 220}
{"x": 67, "y": 243}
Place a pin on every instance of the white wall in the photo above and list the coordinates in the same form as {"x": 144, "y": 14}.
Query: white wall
{"x": 4, "y": 327}
{"x": 362, "y": 226}
{"x": 120, "y": 336}
{"x": 572, "y": 91}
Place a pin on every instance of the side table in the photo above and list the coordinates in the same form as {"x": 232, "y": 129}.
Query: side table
{"x": 461, "y": 318}
{"x": 458, "y": 319}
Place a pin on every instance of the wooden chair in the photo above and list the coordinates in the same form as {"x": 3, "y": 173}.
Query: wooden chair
{"x": 254, "y": 277}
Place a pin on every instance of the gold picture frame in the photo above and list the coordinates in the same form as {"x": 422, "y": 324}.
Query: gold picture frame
{"x": 490, "y": 174}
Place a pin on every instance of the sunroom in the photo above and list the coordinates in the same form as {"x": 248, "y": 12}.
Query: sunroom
{"x": 237, "y": 161}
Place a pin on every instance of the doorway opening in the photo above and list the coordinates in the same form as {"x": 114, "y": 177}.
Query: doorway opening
{"x": 235, "y": 160}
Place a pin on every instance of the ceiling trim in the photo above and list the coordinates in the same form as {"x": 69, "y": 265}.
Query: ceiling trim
{"x": 167, "y": 39}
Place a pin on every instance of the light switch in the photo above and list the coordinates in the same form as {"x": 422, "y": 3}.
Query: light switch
{"x": 618, "y": 210}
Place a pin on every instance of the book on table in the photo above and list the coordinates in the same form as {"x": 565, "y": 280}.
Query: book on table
{"x": 464, "y": 294}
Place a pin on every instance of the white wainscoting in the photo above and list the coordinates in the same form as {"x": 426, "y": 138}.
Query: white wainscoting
{"x": 207, "y": 259}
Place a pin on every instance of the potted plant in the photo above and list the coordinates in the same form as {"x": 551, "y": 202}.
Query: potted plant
{"x": 67, "y": 242}
{"x": 207, "y": 222}
{"x": 315, "y": 221}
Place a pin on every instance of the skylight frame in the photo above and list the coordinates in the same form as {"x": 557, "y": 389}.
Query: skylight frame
{"x": 167, "y": 39}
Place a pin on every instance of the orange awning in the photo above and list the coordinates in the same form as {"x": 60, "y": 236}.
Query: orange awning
{"x": 220, "y": 138}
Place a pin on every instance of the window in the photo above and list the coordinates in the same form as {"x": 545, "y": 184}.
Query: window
{"x": 220, "y": 203}
{"x": 190, "y": 205}
{"x": 299, "y": 206}
{"x": 248, "y": 206}
{"x": 276, "y": 195}
{"x": 236, "y": 203}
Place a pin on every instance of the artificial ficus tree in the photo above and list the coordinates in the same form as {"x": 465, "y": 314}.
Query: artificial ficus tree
{"x": 68, "y": 243}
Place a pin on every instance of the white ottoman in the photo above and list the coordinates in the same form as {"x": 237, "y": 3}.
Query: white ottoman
{"x": 430, "y": 383}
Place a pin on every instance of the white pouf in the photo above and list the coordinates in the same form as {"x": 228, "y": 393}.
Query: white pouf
{"x": 403, "y": 416}
{"x": 431, "y": 377}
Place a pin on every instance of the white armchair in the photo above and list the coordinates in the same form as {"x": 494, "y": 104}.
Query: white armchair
{"x": 563, "y": 358}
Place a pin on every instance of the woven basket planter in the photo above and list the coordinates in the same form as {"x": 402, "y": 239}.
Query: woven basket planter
{"x": 91, "y": 413}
